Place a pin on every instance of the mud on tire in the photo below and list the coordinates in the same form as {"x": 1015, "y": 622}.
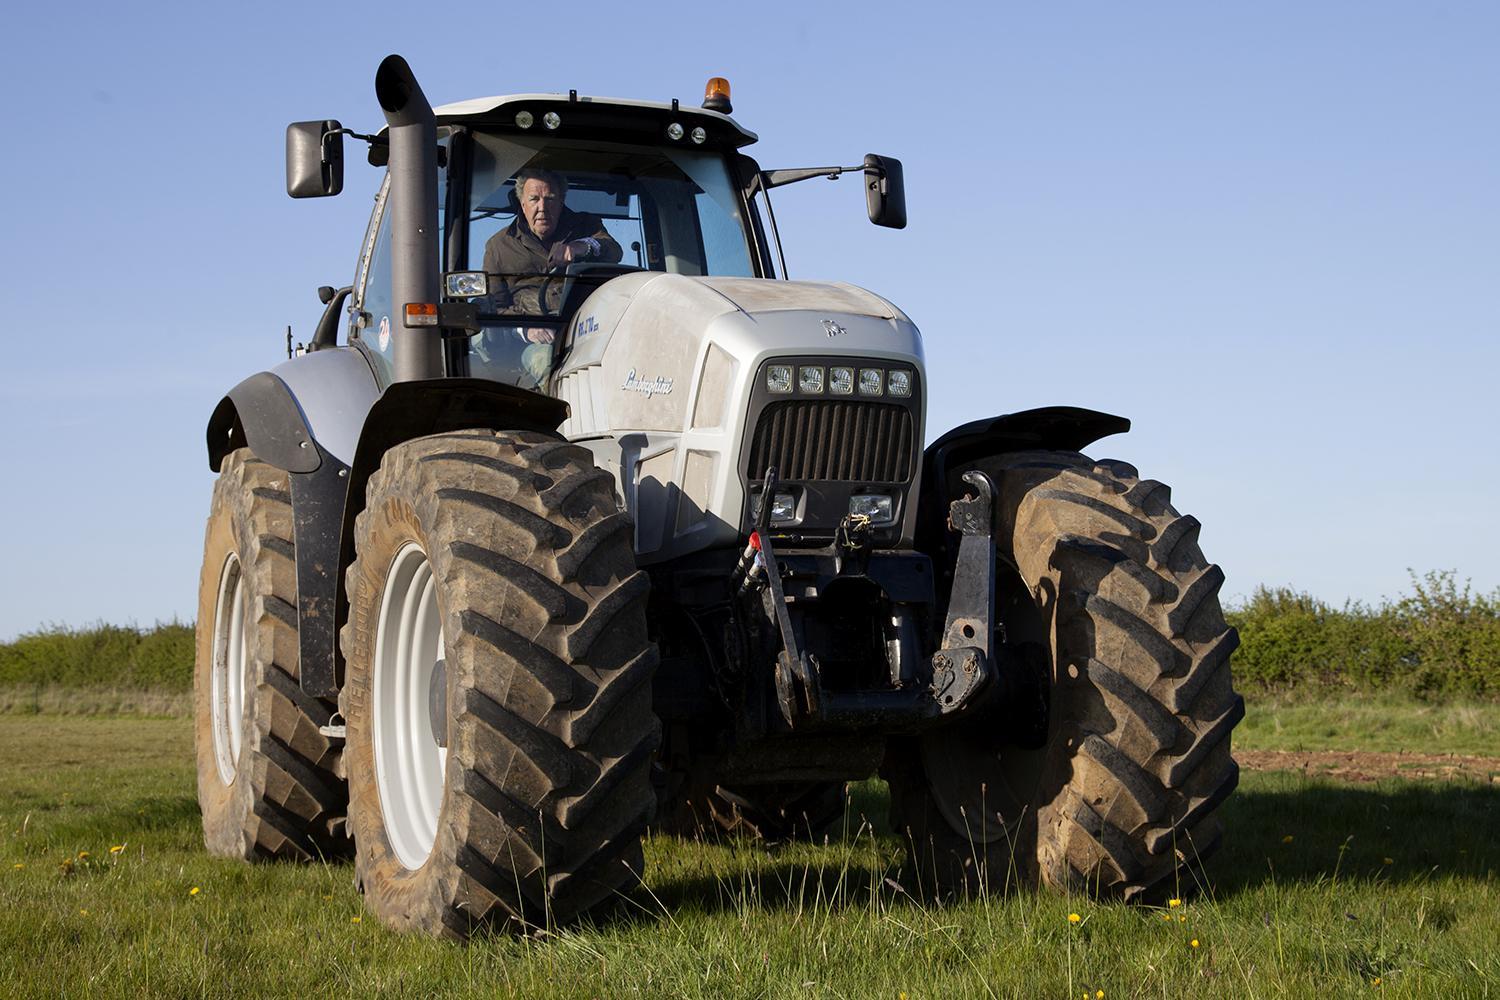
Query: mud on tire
{"x": 544, "y": 790}
{"x": 1106, "y": 579}
{"x": 267, "y": 781}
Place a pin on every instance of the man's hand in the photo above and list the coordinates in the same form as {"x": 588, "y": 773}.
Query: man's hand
{"x": 537, "y": 335}
{"x": 567, "y": 253}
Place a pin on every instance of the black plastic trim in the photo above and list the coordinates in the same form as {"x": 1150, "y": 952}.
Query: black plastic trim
{"x": 262, "y": 413}
{"x": 1048, "y": 428}
{"x": 318, "y": 500}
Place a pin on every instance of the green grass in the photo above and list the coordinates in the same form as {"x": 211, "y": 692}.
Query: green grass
{"x": 1324, "y": 914}
{"x": 1381, "y": 722}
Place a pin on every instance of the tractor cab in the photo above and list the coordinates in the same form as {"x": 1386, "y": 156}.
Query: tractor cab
{"x": 661, "y": 187}
{"x": 667, "y": 184}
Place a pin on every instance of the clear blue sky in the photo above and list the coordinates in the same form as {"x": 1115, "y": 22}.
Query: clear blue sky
{"x": 1268, "y": 233}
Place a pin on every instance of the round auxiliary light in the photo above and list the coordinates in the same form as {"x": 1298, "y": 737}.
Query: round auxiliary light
{"x": 898, "y": 382}
{"x": 551, "y": 119}
{"x": 674, "y": 131}
{"x": 871, "y": 381}
{"x": 699, "y": 135}
{"x": 810, "y": 379}
{"x": 524, "y": 119}
{"x": 841, "y": 381}
{"x": 779, "y": 378}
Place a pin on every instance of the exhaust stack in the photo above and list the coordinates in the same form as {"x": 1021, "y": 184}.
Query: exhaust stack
{"x": 414, "y": 215}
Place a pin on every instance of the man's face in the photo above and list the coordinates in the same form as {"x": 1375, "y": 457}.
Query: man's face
{"x": 542, "y": 206}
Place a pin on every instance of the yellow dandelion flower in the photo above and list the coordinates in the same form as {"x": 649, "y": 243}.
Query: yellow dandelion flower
{"x": 83, "y": 854}
{"x": 1181, "y": 919}
{"x": 194, "y": 891}
{"x": 1098, "y": 995}
{"x": 1174, "y": 902}
{"x": 1194, "y": 942}
{"x": 18, "y": 865}
{"x": 1376, "y": 981}
{"x": 1073, "y": 918}
{"x": 1387, "y": 861}
{"x": 83, "y": 913}
{"x": 354, "y": 920}
{"x": 117, "y": 849}
{"x": 1287, "y": 839}
{"x": 1167, "y": 917}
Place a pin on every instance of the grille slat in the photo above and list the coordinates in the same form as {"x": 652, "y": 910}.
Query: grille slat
{"x": 833, "y": 440}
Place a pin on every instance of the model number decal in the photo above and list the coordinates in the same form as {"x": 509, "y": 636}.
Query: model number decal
{"x": 645, "y": 385}
{"x": 585, "y": 326}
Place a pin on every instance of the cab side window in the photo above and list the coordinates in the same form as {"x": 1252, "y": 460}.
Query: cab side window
{"x": 372, "y": 321}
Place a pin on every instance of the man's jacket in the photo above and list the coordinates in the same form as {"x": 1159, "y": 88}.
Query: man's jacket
{"x": 516, "y": 262}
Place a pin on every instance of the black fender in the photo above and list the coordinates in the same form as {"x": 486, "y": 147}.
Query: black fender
{"x": 1049, "y": 428}
{"x": 325, "y": 524}
{"x": 262, "y": 414}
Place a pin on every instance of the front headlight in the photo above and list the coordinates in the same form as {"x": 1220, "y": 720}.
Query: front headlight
{"x": 779, "y": 378}
{"x": 878, "y": 507}
{"x": 783, "y": 508}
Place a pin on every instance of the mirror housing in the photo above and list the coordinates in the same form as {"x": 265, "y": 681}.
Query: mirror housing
{"x": 885, "y": 191}
{"x": 314, "y": 159}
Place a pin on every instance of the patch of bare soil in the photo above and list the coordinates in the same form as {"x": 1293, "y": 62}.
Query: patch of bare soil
{"x": 1367, "y": 765}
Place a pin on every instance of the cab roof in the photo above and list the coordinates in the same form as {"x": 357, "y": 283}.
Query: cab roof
{"x": 599, "y": 117}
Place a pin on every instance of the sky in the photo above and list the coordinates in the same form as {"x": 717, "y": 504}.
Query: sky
{"x": 1266, "y": 233}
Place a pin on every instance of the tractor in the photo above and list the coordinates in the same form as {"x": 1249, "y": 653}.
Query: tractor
{"x": 494, "y": 583}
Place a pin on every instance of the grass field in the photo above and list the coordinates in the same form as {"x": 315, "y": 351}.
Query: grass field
{"x": 1322, "y": 887}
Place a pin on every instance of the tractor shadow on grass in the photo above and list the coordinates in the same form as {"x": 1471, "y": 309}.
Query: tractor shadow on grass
{"x": 1391, "y": 832}
{"x": 1292, "y": 828}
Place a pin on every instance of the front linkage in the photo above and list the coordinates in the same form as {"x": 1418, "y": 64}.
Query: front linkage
{"x": 962, "y": 672}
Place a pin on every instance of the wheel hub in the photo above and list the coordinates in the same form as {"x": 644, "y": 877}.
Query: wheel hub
{"x": 231, "y": 653}
{"x": 409, "y": 716}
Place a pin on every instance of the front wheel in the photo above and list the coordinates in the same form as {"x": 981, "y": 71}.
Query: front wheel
{"x": 268, "y": 782}
{"x": 1102, "y": 577}
{"x": 497, "y": 692}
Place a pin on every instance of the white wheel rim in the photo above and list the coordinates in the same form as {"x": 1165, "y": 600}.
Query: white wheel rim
{"x": 231, "y": 653}
{"x": 408, "y": 761}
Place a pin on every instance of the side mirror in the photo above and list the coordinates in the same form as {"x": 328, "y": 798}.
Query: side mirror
{"x": 885, "y": 191}
{"x": 314, "y": 159}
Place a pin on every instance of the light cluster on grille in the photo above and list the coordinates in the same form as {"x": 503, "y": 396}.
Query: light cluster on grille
{"x": 811, "y": 440}
{"x": 839, "y": 380}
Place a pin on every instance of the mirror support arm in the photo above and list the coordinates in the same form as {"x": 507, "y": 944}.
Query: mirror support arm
{"x": 776, "y": 178}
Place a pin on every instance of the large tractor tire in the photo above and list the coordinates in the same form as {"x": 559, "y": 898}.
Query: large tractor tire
{"x": 498, "y": 687}
{"x": 1102, "y": 582}
{"x": 267, "y": 781}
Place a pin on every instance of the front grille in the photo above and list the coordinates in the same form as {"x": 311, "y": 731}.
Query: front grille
{"x": 840, "y": 440}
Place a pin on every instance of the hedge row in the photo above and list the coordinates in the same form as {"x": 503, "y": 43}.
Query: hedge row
{"x": 111, "y": 656}
{"x": 1438, "y": 640}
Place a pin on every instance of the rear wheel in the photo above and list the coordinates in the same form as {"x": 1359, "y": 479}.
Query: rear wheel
{"x": 498, "y": 696}
{"x": 1102, "y": 575}
{"x": 267, "y": 781}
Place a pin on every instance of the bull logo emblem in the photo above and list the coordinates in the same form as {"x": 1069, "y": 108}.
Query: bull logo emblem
{"x": 833, "y": 329}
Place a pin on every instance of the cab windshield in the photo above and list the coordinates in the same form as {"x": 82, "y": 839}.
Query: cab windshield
{"x": 611, "y": 208}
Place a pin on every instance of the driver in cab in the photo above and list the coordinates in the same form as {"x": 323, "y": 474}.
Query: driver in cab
{"x": 523, "y": 258}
